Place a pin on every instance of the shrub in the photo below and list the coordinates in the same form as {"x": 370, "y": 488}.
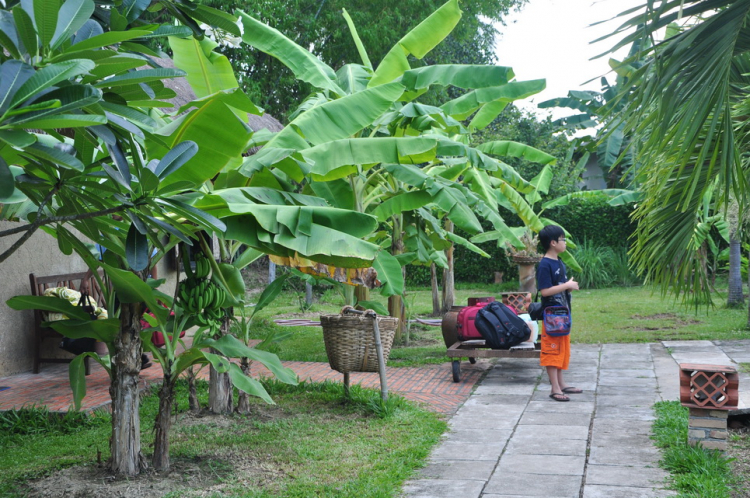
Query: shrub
{"x": 602, "y": 266}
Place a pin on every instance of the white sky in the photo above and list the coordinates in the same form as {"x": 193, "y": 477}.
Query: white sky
{"x": 551, "y": 39}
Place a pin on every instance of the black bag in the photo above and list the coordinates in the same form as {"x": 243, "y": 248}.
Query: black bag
{"x": 536, "y": 311}
{"x": 82, "y": 344}
{"x": 500, "y": 327}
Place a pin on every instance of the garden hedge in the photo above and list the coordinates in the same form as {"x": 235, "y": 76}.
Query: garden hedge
{"x": 592, "y": 219}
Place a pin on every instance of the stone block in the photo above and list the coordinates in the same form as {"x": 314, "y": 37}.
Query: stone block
{"x": 718, "y": 434}
{"x": 696, "y": 433}
{"x": 707, "y": 423}
{"x": 711, "y": 445}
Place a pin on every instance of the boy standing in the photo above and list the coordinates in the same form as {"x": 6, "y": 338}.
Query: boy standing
{"x": 555, "y": 288}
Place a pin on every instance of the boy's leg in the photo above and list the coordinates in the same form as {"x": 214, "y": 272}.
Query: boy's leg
{"x": 554, "y": 379}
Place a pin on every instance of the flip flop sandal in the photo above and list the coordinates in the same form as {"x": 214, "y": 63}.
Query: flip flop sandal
{"x": 559, "y": 397}
{"x": 572, "y": 390}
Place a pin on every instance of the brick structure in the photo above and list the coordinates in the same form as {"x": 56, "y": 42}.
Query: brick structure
{"x": 709, "y": 392}
{"x": 519, "y": 300}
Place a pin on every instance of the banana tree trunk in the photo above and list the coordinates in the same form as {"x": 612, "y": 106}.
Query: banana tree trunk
{"x": 396, "y": 306}
{"x": 220, "y": 399}
{"x": 243, "y": 399}
{"x": 448, "y": 283}
{"x": 362, "y": 293}
{"x": 735, "y": 296}
{"x": 435, "y": 291}
{"x": 125, "y": 442}
{"x": 193, "y": 402}
{"x": 163, "y": 425}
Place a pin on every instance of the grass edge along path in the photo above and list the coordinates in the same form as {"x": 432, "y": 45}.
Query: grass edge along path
{"x": 695, "y": 472}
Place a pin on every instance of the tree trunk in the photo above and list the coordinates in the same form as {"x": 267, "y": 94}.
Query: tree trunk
{"x": 396, "y": 309}
{"x": 349, "y": 297}
{"x": 125, "y": 442}
{"x": 220, "y": 399}
{"x": 448, "y": 283}
{"x": 362, "y": 293}
{"x": 735, "y": 296}
{"x": 435, "y": 291}
{"x": 193, "y": 402}
{"x": 163, "y": 425}
{"x": 396, "y": 303}
{"x": 243, "y": 399}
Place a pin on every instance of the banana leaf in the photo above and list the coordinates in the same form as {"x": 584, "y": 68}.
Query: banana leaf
{"x": 303, "y": 64}
{"x": 417, "y": 42}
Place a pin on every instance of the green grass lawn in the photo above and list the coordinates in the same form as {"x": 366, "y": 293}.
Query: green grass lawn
{"x": 310, "y": 443}
{"x": 623, "y": 314}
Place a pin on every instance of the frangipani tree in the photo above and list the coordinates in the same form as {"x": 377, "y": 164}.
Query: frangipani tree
{"x": 105, "y": 150}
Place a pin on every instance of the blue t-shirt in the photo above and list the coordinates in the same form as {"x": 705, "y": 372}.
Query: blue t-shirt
{"x": 549, "y": 273}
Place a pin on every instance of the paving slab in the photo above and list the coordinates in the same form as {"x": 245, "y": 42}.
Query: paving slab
{"x": 573, "y": 406}
{"x": 479, "y": 418}
{"x": 541, "y": 464}
{"x": 500, "y": 388}
{"x": 543, "y": 392}
{"x": 562, "y": 432}
{"x": 537, "y": 418}
{"x": 479, "y": 470}
{"x": 506, "y": 401}
{"x": 596, "y": 491}
{"x": 437, "y": 488}
{"x": 626, "y": 413}
{"x": 634, "y": 427}
{"x": 472, "y": 435}
{"x": 460, "y": 450}
{"x": 546, "y": 443}
{"x": 635, "y": 456}
{"x": 524, "y": 484}
{"x": 627, "y": 476}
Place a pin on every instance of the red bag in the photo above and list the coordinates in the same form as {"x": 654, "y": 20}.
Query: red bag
{"x": 465, "y": 327}
{"x": 465, "y": 323}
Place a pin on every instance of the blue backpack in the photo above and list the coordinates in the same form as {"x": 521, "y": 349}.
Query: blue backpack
{"x": 500, "y": 327}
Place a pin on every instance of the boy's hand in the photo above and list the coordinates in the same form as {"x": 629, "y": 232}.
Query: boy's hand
{"x": 572, "y": 284}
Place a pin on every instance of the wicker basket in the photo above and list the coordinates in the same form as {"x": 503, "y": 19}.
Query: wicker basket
{"x": 350, "y": 341}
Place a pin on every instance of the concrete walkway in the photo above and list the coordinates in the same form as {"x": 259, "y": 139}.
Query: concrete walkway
{"x": 510, "y": 440}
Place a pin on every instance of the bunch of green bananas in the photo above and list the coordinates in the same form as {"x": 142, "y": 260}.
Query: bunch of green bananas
{"x": 202, "y": 267}
{"x": 200, "y": 296}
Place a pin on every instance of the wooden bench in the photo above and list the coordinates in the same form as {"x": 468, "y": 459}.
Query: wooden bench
{"x": 38, "y": 286}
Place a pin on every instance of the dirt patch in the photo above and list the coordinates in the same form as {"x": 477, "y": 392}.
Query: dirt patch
{"x": 641, "y": 329}
{"x": 198, "y": 477}
{"x": 206, "y": 475}
{"x": 658, "y": 316}
{"x": 677, "y": 322}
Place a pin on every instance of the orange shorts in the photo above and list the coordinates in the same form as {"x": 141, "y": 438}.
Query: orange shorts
{"x": 555, "y": 351}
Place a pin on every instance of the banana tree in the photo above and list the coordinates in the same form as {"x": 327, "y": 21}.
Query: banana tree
{"x": 348, "y": 140}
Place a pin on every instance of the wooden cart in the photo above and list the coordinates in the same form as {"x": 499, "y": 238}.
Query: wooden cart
{"x": 477, "y": 349}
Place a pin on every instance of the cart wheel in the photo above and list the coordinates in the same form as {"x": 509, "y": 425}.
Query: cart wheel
{"x": 472, "y": 360}
{"x": 456, "y": 370}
